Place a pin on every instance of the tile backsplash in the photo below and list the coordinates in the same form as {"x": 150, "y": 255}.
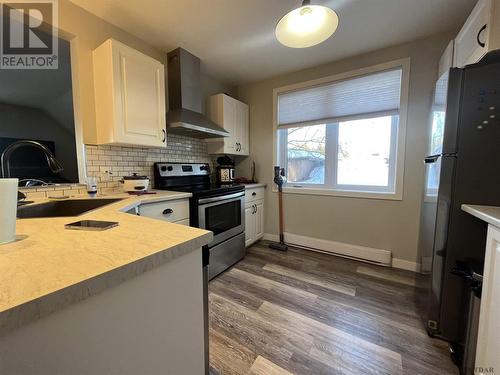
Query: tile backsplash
{"x": 110, "y": 163}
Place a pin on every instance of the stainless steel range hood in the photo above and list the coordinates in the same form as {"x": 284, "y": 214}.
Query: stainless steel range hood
{"x": 184, "y": 98}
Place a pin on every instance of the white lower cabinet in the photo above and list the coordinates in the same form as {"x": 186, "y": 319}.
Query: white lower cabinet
{"x": 259, "y": 219}
{"x": 183, "y": 222}
{"x": 488, "y": 340}
{"x": 249, "y": 225}
{"x": 174, "y": 211}
{"x": 254, "y": 215}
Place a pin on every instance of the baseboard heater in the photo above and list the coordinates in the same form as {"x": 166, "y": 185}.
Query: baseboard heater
{"x": 368, "y": 254}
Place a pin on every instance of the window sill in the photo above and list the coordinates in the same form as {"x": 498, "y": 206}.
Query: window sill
{"x": 343, "y": 193}
{"x": 430, "y": 198}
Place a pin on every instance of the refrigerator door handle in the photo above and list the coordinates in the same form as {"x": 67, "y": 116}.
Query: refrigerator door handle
{"x": 432, "y": 159}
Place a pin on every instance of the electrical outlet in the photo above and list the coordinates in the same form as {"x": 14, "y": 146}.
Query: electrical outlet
{"x": 105, "y": 173}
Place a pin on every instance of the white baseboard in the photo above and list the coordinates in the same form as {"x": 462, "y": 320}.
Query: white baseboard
{"x": 369, "y": 254}
{"x": 406, "y": 265}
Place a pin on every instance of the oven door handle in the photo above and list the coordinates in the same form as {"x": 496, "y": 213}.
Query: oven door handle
{"x": 221, "y": 198}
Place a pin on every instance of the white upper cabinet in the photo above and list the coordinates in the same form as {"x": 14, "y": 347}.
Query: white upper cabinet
{"x": 244, "y": 134}
{"x": 479, "y": 35}
{"x": 130, "y": 96}
{"x": 446, "y": 61}
{"x": 232, "y": 115}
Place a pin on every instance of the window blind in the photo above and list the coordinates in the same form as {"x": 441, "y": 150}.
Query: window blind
{"x": 440, "y": 93}
{"x": 341, "y": 100}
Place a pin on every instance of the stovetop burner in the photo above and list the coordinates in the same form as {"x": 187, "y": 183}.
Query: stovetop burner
{"x": 190, "y": 177}
{"x": 205, "y": 190}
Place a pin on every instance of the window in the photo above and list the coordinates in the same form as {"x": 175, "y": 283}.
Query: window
{"x": 344, "y": 136}
{"x": 436, "y": 141}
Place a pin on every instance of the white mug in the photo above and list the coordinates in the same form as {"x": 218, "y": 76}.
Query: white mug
{"x": 8, "y": 209}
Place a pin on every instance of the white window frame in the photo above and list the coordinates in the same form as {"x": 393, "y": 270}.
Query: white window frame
{"x": 398, "y": 147}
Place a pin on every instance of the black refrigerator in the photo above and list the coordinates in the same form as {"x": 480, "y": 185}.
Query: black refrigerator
{"x": 463, "y": 167}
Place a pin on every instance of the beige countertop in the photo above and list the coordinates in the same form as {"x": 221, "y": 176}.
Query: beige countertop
{"x": 255, "y": 185}
{"x": 49, "y": 267}
{"x": 489, "y": 214}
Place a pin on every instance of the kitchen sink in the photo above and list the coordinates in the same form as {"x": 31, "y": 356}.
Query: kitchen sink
{"x": 62, "y": 208}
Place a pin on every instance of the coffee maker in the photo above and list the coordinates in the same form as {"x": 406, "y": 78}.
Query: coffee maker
{"x": 225, "y": 170}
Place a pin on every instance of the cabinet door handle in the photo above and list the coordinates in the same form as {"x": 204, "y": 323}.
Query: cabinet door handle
{"x": 168, "y": 211}
{"x": 254, "y": 194}
{"x": 253, "y": 209}
{"x": 164, "y": 133}
{"x": 482, "y": 44}
{"x": 256, "y": 208}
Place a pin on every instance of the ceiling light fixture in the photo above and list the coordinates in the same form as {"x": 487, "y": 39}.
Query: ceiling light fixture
{"x": 306, "y": 26}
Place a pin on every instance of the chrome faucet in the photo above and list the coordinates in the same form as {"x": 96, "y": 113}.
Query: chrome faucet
{"x": 53, "y": 163}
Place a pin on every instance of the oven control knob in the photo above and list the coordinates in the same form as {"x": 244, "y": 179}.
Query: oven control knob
{"x": 163, "y": 168}
{"x": 170, "y": 168}
{"x": 204, "y": 168}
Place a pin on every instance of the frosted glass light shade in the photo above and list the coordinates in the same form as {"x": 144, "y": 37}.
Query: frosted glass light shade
{"x": 306, "y": 26}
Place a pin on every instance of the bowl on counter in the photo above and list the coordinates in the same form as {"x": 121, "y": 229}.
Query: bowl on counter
{"x": 135, "y": 183}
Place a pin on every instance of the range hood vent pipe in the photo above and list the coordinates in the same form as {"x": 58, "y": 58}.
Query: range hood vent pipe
{"x": 185, "y": 115}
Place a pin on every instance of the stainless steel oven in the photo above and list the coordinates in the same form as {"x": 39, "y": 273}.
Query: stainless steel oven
{"x": 223, "y": 215}
{"x": 217, "y": 208}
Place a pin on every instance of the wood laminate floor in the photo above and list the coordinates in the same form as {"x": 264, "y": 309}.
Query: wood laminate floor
{"x": 303, "y": 312}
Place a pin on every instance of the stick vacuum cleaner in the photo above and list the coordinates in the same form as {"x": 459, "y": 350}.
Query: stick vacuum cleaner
{"x": 279, "y": 173}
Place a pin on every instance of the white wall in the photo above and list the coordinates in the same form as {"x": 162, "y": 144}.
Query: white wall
{"x": 383, "y": 224}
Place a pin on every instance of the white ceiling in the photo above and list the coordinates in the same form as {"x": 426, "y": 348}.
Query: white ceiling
{"x": 235, "y": 38}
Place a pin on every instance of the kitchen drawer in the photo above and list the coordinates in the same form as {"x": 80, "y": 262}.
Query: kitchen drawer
{"x": 169, "y": 210}
{"x": 254, "y": 194}
{"x": 183, "y": 222}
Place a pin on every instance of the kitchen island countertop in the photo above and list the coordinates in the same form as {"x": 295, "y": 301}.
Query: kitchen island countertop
{"x": 49, "y": 267}
{"x": 255, "y": 185}
{"x": 489, "y": 214}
